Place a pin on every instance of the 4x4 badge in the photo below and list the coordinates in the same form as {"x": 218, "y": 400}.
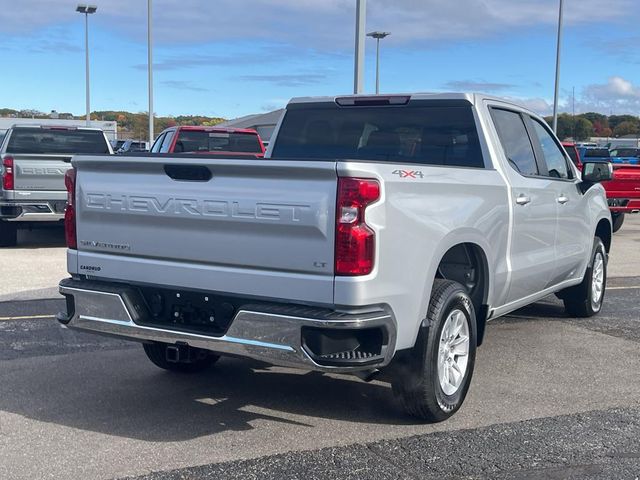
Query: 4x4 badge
{"x": 408, "y": 173}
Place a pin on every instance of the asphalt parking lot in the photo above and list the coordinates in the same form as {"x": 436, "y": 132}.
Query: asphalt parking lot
{"x": 552, "y": 397}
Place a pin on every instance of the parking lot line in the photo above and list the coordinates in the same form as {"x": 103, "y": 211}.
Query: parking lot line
{"x": 636, "y": 287}
{"x": 26, "y": 317}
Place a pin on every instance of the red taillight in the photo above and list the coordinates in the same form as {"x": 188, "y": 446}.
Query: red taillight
{"x": 70, "y": 211}
{"x": 7, "y": 173}
{"x": 355, "y": 241}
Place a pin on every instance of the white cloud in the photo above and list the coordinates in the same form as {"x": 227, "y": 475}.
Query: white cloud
{"x": 617, "y": 95}
{"x": 322, "y": 24}
{"x": 616, "y": 89}
{"x": 537, "y": 105}
{"x": 478, "y": 86}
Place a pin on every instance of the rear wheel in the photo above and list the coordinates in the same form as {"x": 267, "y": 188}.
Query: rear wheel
{"x": 179, "y": 358}
{"x": 434, "y": 382}
{"x": 585, "y": 300}
{"x": 617, "y": 220}
{"x": 8, "y": 234}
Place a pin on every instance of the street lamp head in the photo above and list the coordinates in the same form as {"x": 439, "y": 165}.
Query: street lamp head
{"x": 88, "y": 9}
{"x": 378, "y": 35}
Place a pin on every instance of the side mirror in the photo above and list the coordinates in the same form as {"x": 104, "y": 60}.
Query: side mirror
{"x": 596, "y": 172}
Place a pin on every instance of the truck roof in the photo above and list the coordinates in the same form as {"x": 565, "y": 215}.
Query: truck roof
{"x": 201, "y": 128}
{"x": 53, "y": 127}
{"x": 471, "y": 97}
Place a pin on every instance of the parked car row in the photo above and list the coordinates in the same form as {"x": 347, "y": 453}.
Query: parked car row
{"x": 201, "y": 140}
{"x": 36, "y": 158}
{"x": 34, "y": 162}
{"x": 623, "y": 190}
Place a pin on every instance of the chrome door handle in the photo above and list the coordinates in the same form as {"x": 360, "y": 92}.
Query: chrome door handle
{"x": 563, "y": 199}
{"x": 523, "y": 199}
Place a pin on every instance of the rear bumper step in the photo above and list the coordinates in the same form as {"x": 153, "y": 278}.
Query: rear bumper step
{"x": 286, "y": 335}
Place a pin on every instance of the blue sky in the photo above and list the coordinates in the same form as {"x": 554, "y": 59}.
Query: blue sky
{"x": 234, "y": 57}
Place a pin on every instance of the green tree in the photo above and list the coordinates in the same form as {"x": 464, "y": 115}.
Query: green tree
{"x": 594, "y": 118}
{"x": 583, "y": 129}
{"x": 615, "y": 120}
{"x": 627, "y": 128}
{"x": 565, "y": 125}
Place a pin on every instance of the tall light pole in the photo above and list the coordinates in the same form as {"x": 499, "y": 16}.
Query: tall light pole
{"x": 361, "y": 21}
{"x": 150, "y": 68}
{"x": 378, "y": 36}
{"x": 87, "y": 10}
{"x": 557, "y": 87}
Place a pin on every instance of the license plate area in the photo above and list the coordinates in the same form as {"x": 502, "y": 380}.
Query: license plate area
{"x": 189, "y": 311}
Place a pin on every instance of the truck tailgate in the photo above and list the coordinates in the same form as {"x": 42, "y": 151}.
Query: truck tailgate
{"x": 40, "y": 172}
{"x": 256, "y": 227}
{"x": 625, "y": 181}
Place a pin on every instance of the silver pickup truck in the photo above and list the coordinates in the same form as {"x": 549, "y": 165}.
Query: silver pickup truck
{"x": 378, "y": 236}
{"x": 34, "y": 161}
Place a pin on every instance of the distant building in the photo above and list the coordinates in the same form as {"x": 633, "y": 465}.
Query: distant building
{"x": 263, "y": 123}
{"x": 631, "y": 141}
{"x": 110, "y": 128}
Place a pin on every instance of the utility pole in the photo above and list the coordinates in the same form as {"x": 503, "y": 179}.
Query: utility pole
{"x": 559, "y": 48}
{"x": 87, "y": 10}
{"x": 150, "y": 68}
{"x": 378, "y": 36}
{"x": 573, "y": 112}
{"x": 361, "y": 20}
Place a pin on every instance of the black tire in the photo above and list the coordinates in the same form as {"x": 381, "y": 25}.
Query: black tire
{"x": 617, "y": 220}
{"x": 199, "y": 359}
{"x": 579, "y": 300}
{"x": 417, "y": 383}
{"x": 8, "y": 234}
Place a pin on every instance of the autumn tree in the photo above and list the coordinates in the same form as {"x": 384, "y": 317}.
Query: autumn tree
{"x": 627, "y": 128}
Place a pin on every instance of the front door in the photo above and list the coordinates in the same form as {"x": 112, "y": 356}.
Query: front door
{"x": 574, "y": 239}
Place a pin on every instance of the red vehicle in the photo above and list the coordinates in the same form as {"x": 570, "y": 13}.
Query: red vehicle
{"x": 572, "y": 150}
{"x": 209, "y": 140}
{"x": 623, "y": 191}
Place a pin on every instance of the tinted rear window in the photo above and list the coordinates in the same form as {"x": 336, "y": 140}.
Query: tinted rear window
{"x": 195, "y": 141}
{"x": 573, "y": 155}
{"x": 626, "y": 152}
{"x": 596, "y": 152}
{"x": 43, "y": 140}
{"x": 432, "y": 135}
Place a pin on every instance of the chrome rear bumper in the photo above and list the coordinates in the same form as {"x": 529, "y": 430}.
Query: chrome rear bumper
{"x": 273, "y": 334}
{"x": 38, "y": 211}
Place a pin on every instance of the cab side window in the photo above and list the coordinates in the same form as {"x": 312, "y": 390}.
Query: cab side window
{"x": 166, "y": 143}
{"x": 553, "y": 156}
{"x": 515, "y": 141}
{"x": 157, "y": 144}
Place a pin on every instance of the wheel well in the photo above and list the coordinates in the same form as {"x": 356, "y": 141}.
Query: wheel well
{"x": 603, "y": 230}
{"x": 466, "y": 263}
